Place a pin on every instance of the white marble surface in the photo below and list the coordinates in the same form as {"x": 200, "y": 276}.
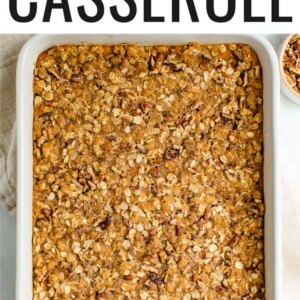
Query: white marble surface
{"x": 290, "y": 201}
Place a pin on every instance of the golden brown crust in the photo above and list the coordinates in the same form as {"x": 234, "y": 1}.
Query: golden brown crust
{"x": 148, "y": 173}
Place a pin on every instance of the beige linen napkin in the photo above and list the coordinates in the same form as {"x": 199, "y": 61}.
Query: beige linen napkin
{"x": 10, "y": 46}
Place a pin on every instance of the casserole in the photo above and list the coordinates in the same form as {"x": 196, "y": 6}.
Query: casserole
{"x": 24, "y": 93}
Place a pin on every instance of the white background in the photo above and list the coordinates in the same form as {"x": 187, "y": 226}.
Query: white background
{"x": 290, "y": 203}
{"x": 159, "y": 8}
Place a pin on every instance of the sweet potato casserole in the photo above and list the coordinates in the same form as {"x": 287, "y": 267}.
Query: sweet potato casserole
{"x": 148, "y": 173}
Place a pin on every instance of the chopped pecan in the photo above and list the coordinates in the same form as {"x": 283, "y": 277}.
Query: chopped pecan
{"x": 97, "y": 75}
{"x": 156, "y": 279}
{"x": 156, "y": 172}
{"x": 172, "y": 153}
{"x": 154, "y": 189}
{"x": 152, "y": 63}
{"x": 206, "y": 214}
{"x": 233, "y": 241}
{"x": 160, "y": 57}
{"x": 291, "y": 79}
{"x": 106, "y": 223}
{"x": 295, "y": 70}
{"x": 111, "y": 138}
{"x": 178, "y": 230}
{"x": 46, "y": 212}
{"x": 220, "y": 289}
{"x": 196, "y": 105}
{"x": 291, "y": 63}
{"x": 145, "y": 107}
{"x": 77, "y": 78}
{"x": 180, "y": 121}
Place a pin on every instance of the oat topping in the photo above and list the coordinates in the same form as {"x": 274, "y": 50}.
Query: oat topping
{"x": 148, "y": 173}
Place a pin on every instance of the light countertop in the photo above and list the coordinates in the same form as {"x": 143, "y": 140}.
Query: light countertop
{"x": 290, "y": 204}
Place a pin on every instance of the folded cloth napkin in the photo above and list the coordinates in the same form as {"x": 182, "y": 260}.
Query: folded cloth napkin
{"x": 10, "y": 46}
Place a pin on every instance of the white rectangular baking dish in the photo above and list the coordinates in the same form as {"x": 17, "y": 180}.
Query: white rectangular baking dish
{"x": 25, "y": 68}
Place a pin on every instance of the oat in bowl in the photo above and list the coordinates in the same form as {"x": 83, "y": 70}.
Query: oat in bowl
{"x": 148, "y": 173}
{"x": 289, "y": 62}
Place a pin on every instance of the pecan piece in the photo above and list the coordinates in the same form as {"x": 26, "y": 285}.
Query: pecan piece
{"x": 206, "y": 214}
{"x": 97, "y": 76}
{"x": 154, "y": 189}
{"x": 172, "y": 153}
{"x": 196, "y": 105}
{"x": 106, "y": 223}
{"x": 178, "y": 230}
{"x": 129, "y": 75}
{"x": 233, "y": 241}
{"x": 220, "y": 289}
{"x": 144, "y": 107}
{"x": 180, "y": 121}
{"x": 122, "y": 63}
{"x": 295, "y": 38}
{"x": 295, "y": 70}
{"x": 156, "y": 279}
{"x": 297, "y": 46}
{"x": 160, "y": 57}
{"x": 289, "y": 61}
{"x": 290, "y": 79}
{"x": 46, "y": 212}
{"x": 122, "y": 146}
{"x": 156, "y": 172}
{"x": 126, "y": 223}
{"x": 111, "y": 138}
{"x": 127, "y": 277}
{"x": 151, "y": 63}
{"x": 77, "y": 78}
{"x": 178, "y": 67}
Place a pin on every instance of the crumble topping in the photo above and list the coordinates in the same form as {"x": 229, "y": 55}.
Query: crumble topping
{"x": 148, "y": 173}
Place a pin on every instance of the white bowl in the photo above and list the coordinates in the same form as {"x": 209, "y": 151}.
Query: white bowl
{"x": 285, "y": 87}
